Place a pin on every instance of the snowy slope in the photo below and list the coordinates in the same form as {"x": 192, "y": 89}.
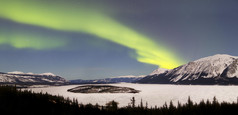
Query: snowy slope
{"x": 30, "y": 78}
{"x": 217, "y": 69}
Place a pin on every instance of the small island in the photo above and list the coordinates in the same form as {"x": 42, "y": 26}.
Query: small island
{"x": 102, "y": 89}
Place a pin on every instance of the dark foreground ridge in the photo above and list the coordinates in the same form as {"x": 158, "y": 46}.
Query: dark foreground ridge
{"x": 18, "y": 102}
{"x": 102, "y": 89}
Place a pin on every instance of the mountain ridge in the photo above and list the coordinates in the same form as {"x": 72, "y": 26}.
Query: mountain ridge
{"x": 127, "y": 79}
{"x": 218, "y": 69}
{"x": 18, "y": 77}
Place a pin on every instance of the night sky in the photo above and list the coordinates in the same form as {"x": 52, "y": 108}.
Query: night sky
{"x": 90, "y": 39}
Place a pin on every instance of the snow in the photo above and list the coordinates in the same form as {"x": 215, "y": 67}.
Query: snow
{"x": 30, "y": 73}
{"x": 233, "y": 69}
{"x": 14, "y": 77}
{"x": 20, "y": 73}
{"x": 47, "y": 80}
{"x": 15, "y": 72}
{"x": 159, "y": 71}
{"x": 235, "y": 74}
{"x": 154, "y": 94}
{"x": 48, "y": 74}
{"x": 8, "y": 79}
{"x": 177, "y": 78}
{"x": 219, "y": 62}
{"x": 215, "y": 57}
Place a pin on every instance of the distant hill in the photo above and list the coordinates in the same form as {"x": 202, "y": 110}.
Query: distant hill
{"x": 30, "y": 78}
{"x": 219, "y": 69}
{"x": 127, "y": 79}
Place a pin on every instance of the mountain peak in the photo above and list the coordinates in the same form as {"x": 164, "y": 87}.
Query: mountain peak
{"x": 15, "y": 72}
{"x": 159, "y": 71}
{"x": 217, "y": 57}
{"x": 30, "y": 73}
{"x": 48, "y": 74}
{"x": 18, "y": 77}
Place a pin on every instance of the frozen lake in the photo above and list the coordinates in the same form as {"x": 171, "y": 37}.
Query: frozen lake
{"x": 153, "y": 94}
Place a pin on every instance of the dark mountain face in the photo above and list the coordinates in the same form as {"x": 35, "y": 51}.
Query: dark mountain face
{"x": 217, "y": 69}
{"x": 231, "y": 70}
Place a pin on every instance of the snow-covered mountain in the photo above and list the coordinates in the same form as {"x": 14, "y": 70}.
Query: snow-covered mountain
{"x": 127, "y": 79}
{"x": 159, "y": 71}
{"x": 217, "y": 69}
{"x": 18, "y": 77}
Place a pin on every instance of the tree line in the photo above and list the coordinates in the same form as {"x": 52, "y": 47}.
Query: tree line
{"x": 25, "y": 102}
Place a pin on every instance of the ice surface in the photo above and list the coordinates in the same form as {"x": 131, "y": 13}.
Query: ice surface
{"x": 154, "y": 94}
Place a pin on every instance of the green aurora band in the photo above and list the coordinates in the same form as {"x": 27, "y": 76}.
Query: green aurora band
{"x": 21, "y": 39}
{"x": 77, "y": 18}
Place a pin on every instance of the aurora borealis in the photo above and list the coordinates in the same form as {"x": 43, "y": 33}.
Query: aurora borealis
{"x": 43, "y": 26}
{"x": 91, "y": 22}
{"x": 20, "y": 39}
